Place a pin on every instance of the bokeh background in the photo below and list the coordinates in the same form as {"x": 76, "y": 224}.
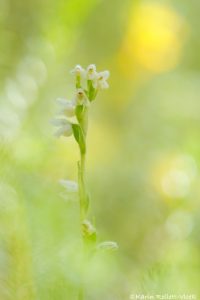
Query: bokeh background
{"x": 143, "y": 147}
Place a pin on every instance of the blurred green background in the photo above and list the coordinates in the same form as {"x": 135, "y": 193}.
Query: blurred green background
{"x": 143, "y": 153}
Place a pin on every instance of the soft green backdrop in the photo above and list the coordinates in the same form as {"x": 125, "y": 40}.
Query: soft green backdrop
{"x": 143, "y": 154}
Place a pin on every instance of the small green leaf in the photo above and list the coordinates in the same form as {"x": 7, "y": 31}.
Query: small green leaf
{"x": 79, "y": 137}
{"x": 107, "y": 245}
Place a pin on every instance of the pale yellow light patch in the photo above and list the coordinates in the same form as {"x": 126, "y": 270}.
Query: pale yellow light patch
{"x": 65, "y": 158}
{"x": 102, "y": 144}
{"x": 28, "y": 150}
{"x": 173, "y": 176}
{"x": 154, "y": 38}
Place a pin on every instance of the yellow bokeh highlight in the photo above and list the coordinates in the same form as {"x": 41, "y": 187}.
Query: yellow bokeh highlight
{"x": 173, "y": 176}
{"x": 154, "y": 38}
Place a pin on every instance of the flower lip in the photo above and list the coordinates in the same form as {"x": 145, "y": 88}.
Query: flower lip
{"x": 91, "y": 72}
{"x": 91, "y": 68}
{"x": 80, "y": 93}
{"x": 81, "y": 97}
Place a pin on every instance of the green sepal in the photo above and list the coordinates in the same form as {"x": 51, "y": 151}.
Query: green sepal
{"x": 78, "y": 82}
{"x": 79, "y": 137}
{"x": 79, "y": 111}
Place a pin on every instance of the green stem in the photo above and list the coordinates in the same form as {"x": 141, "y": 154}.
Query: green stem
{"x": 82, "y": 187}
{"x": 82, "y": 201}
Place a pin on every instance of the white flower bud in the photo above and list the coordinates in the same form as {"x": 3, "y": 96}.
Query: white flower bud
{"x": 78, "y": 71}
{"x": 91, "y": 72}
{"x": 88, "y": 228}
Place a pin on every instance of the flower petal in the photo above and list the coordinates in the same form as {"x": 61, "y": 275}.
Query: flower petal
{"x": 104, "y": 74}
{"x": 103, "y": 84}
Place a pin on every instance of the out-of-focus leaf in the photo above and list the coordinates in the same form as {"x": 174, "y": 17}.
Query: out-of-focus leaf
{"x": 107, "y": 245}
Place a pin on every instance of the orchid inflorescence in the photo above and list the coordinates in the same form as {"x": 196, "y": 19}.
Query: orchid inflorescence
{"x": 83, "y": 97}
{"x": 73, "y": 120}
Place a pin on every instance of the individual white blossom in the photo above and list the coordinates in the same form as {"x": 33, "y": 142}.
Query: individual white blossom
{"x": 64, "y": 131}
{"x": 101, "y": 80}
{"x": 91, "y": 72}
{"x": 67, "y": 107}
{"x": 64, "y": 127}
{"x": 69, "y": 185}
{"x": 78, "y": 71}
{"x": 81, "y": 98}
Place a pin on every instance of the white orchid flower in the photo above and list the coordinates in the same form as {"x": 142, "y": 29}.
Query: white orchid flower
{"x": 81, "y": 98}
{"x": 91, "y": 72}
{"x": 64, "y": 131}
{"x": 67, "y": 107}
{"x": 101, "y": 80}
{"x": 78, "y": 71}
{"x": 65, "y": 127}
